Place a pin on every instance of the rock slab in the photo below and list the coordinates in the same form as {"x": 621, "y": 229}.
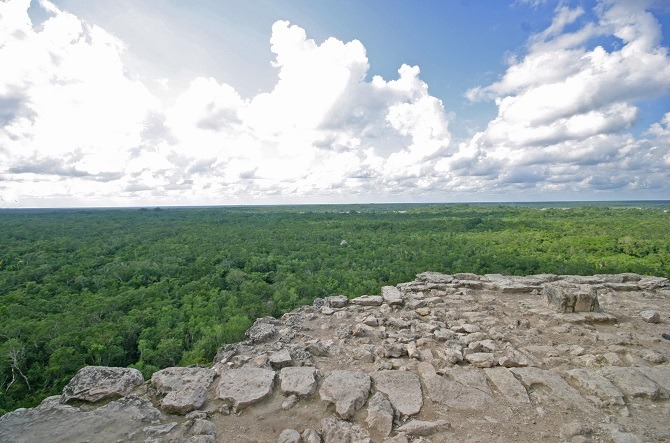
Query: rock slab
{"x": 300, "y": 381}
{"x": 94, "y": 383}
{"x": 245, "y": 386}
{"x": 184, "y": 388}
{"x": 347, "y": 389}
{"x": 403, "y": 389}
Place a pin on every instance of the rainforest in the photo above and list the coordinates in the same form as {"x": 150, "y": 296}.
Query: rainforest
{"x": 157, "y": 287}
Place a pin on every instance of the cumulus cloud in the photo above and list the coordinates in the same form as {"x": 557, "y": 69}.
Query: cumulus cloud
{"x": 566, "y": 104}
{"x": 77, "y": 128}
{"x": 75, "y": 123}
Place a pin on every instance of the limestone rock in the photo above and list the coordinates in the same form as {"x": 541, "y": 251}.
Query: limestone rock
{"x": 119, "y": 420}
{"x": 403, "y": 389}
{"x": 565, "y": 299}
{"x": 289, "y": 402}
{"x": 459, "y": 388}
{"x": 245, "y": 386}
{"x": 650, "y": 316}
{"x": 420, "y": 428}
{"x": 347, "y": 389}
{"x": 289, "y": 436}
{"x": 337, "y": 301}
{"x": 482, "y": 359}
{"x": 559, "y": 388}
{"x": 280, "y": 359}
{"x": 368, "y": 300}
{"x": 262, "y": 330}
{"x": 508, "y": 385}
{"x": 380, "y": 415}
{"x": 340, "y": 431}
{"x": 392, "y": 296}
{"x": 597, "y": 385}
{"x": 94, "y": 383}
{"x": 632, "y": 382}
{"x": 310, "y": 436}
{"x": 300, "y": 381}
{"x": 184, "y": 388}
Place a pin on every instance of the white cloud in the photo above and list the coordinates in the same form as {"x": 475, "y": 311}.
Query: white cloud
{"x": 564, "y": 108}
{"x": 78, "y": 128}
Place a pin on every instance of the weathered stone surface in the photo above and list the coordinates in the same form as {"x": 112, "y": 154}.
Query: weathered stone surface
{"x": 420, "y": 428}
{"x": 631, "y": 382}
{"x": 565, "y": 299}
{"x": 310, "y": 436}
{"x": 508, "y": 385}
{"x": 573, "y": 429}
{"x": 594, "y": 384}
{"x": 481, "y": 359}
{"x": 403, "y": 389}
{"x": 380, "y": 415}
{"x": 435, "y": 277}
{"x": 368, "y": 300}
{"x": 459, "y": 388}
{"x": 399, "y": 438}
{"x": 300, "y": 381}
{"x": 289, "y": 436}
{"x": 559, "y": 388}
{"x": 659, "y": 375}
{"x": 337, "y": 301}
{"x": 595, "y": 367}
{"x": 347, "y": 389}
{"x": 392, "y": 296}
{"x": 340, "y": 431}
{"x": 184, "y": 389}
{"x": 202, "y": 426}
{"x": 94, "y": 383}
{"x": 245, "y": 386}
{"x": 119, "y": 420}
{"x": 262, "y": 330}
{"x": 466, "y": 328}
{"x": 650, "y": 316}
{"x": 280, "y": 359}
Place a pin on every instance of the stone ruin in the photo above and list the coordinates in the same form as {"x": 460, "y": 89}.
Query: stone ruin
{"x": 464, "y": 357}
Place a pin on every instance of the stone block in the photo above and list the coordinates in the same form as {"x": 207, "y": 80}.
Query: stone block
{"x": 567, "y": 299}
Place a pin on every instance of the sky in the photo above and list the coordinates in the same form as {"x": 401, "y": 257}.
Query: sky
{"x": 208, "y": 102}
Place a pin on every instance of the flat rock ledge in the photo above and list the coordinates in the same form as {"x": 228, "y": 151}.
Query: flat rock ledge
{"x": 462, "y": 357}
{"x": 246, "y": 386}
{"x": 184, "y": 389}
{"x": 95, "y": 383}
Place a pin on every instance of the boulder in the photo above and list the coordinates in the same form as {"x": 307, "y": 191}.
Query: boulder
{"x": 403, "y": 389}
{"x": 392, "y": 296}
{"x": 563, "y": 298}
{"x": 380, "y": 415}
{"x": 94, "y": 383}
{"x": 262, "y": 330}
{"x": 337, "y": 301}
{"x": 184, "y": 388}
{"x": 280, "y": 359}
{"x": 245, "y": 386}
{"x": 459, "y": 388}
{"x": 347, "y": 389}
{"x": 300, "y": 381}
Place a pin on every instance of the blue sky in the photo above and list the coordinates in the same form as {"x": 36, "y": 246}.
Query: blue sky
{"x": 220, "y": 102}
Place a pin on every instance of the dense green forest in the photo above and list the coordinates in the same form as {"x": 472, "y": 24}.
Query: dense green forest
{"x": 151, "y": 288}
